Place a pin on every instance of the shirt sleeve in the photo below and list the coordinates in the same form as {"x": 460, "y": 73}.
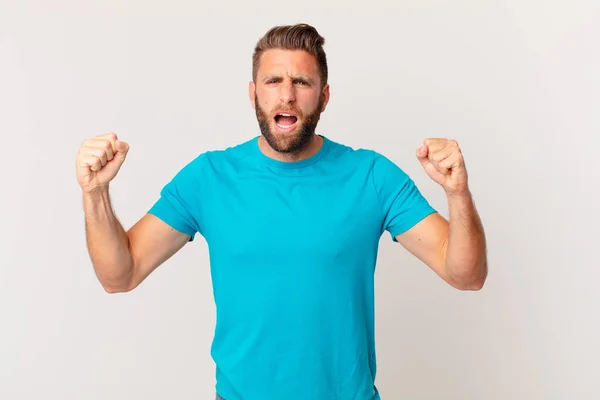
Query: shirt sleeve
{"x": 177, "y": 201}
{"x": 402, "y": 203}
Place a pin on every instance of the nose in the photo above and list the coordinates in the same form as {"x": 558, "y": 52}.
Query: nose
{"x": 287, "y": 93}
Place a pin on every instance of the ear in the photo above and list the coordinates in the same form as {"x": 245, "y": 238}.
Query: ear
{"x": 325, "y": 93}
{"x": 252, "y": 94}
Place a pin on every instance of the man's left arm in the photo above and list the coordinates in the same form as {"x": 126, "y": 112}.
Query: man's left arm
{"x": 454, "y": 249}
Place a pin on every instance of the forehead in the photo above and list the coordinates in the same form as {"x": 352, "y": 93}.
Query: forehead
{"x": 280, "y": 61}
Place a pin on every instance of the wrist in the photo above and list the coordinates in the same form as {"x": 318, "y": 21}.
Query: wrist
{"x": 464, "y": 194}
{"x": 96, "y": 192}
{"x": 96, "y": 199}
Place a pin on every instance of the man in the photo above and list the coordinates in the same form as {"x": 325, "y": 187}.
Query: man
{"x": 293, "y": 221}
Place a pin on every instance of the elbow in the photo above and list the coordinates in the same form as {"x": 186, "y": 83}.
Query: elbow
{"x": 117, "y": 286}
{"x": 473, "y": 286}
{"x": 470, "y": 282}
{"x": 116, "y": 279}
{"x": 111, "y": 289}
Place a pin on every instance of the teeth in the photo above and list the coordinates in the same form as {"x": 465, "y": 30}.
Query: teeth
{"x": 285, "y": 126}
{"x": 286, "y": 115}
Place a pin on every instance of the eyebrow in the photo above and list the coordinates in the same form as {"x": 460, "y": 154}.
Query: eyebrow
{"x": 295, "y": 78}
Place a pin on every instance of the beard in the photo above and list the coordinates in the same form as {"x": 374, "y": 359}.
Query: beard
{"x": 296, "y": 141}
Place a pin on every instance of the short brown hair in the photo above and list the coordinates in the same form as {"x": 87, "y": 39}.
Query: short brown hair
{"x": 292, "y": 37}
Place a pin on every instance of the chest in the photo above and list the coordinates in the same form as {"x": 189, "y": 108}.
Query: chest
{"x": 262, "y": 220}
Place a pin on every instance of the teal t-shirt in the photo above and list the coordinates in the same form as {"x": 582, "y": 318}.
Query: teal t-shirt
{"x": 293, "y": 248}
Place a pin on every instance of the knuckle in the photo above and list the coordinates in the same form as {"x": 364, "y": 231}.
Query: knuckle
{"x": 100, "y": 153}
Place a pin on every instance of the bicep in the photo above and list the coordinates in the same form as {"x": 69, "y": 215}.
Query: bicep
{"x": 152, "y": 242}
{"x": 427, "y": 240}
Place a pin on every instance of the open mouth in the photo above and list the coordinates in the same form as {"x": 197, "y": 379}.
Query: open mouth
{"x": 286, "y": 122}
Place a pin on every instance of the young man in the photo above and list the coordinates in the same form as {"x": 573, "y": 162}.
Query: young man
{"x": 293, "y": 221}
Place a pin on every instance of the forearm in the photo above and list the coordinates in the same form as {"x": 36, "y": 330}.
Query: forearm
{"x": 466, "y": 258}
{"x": 107, "y": 242}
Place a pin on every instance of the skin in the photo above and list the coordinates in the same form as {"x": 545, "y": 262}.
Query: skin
{"x": 454, "y": 249}
{"x": 288, "y": 80}
{"x": 133, "y": 254}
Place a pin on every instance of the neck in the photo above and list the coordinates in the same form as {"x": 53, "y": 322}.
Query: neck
{"x": 313, "y": 147}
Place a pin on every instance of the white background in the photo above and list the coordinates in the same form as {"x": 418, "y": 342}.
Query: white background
{"x": 517, "y": 83}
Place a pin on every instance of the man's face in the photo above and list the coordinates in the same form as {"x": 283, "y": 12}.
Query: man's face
{"x": 288, "y": 98}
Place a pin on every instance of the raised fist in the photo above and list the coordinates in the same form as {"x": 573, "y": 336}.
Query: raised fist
{"x": 99, "y": 160}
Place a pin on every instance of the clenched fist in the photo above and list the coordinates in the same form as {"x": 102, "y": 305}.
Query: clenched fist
{"x": 443, "y": 161}
{"x": 98, "y": 161}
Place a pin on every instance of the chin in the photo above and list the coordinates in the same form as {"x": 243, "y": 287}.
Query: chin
{"x": 291, "y": 142}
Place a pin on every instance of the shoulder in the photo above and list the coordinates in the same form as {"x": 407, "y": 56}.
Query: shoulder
{"x": 230, "y": 156}
{"x": 378, "y": 164}
{"x": 216, "y": 160}
{"x": 385, "y": 174}
{"x": 355, "y": 156}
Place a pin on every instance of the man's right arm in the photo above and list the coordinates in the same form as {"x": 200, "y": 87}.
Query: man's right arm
{"x": 123, "y": 259}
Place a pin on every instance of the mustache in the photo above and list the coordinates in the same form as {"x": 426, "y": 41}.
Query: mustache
{"x": 295, "y": 110}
